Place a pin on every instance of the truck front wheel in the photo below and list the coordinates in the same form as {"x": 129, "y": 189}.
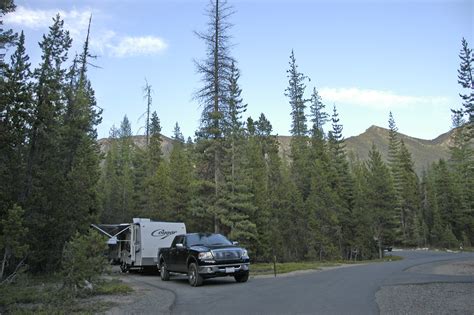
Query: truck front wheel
{"x": 195, "y": 279}
{"x": 242, "y": 277}
{"x": 164, "y": 273}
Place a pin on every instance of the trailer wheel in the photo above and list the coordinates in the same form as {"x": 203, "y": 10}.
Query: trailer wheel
{"x": 124, "y": 267}
{"x": 195, "y": 279}
{"x": 164, "y": 273}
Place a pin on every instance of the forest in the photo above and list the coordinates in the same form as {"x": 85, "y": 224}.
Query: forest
{"x": 317, "y": 204}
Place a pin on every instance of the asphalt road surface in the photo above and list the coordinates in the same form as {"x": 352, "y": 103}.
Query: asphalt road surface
{"x": 350, "y": 290}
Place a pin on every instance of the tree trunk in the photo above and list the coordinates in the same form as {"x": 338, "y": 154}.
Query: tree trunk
{"x": 4, "y": 262}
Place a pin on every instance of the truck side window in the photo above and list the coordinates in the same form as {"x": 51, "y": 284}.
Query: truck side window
{"x": 177, "y": 239}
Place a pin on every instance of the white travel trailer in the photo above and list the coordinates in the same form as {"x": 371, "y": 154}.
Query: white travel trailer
{"x": 136, "y": 245}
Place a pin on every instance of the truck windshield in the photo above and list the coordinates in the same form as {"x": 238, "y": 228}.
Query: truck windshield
{"x": 206, "y": 239}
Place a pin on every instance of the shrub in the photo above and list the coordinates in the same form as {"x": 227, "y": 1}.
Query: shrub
{"x": 84, "y": 261}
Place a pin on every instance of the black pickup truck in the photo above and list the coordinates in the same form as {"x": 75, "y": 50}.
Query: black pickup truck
{"x": 204, "y": 255}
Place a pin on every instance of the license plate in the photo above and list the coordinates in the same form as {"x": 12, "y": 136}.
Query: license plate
{"x": 229, "y": 269}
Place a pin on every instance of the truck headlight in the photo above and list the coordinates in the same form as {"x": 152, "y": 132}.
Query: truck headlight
{"x": 205, "y": 256}
{"x": 245, "y": 254}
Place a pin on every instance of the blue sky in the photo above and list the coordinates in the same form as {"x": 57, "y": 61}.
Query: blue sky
{"x": 366, "y": 57}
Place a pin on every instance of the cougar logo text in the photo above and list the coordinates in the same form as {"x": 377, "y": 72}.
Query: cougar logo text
{"x": 162, "y": 233}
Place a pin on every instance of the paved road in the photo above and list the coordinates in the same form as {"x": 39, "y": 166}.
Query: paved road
{"x": 350, "y": 290}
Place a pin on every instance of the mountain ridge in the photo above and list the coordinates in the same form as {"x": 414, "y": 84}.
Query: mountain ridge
{"x": 424, "y": 152}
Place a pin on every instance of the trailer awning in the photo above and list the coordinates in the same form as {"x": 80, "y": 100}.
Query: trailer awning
{"x": 111, "y": 230}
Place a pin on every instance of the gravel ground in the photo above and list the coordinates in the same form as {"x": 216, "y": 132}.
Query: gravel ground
{"x": 147, "y": 298}
{"x": 430, "y": 298}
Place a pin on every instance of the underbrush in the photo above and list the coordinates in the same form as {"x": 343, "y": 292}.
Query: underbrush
{"x": 48, "y": 296}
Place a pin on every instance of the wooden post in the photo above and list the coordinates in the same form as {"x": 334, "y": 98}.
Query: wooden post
{"x": 274, "y": 266}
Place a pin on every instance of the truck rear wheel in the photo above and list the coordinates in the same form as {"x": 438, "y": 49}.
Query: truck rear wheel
{"x": 164, "y": 273}
{"x": 194, "y": 278}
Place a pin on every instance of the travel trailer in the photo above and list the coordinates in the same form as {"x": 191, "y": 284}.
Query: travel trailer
{"x": 137, "y": 245}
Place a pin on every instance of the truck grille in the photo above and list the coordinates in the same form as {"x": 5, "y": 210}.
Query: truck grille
{"x": 227, "y": 254}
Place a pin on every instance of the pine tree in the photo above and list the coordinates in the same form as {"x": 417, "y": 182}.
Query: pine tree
{"x": 380, "y": 199}
{"x": 466, "y": 80}
{"x": 177, "y": 134}
{"x": 295, "y": 93}
{"x": 394, "y": 144}
{"x": 236, "y": 199}
{"x": 154, "y": 148}
{"x": 118, "y": 182}
{"x": 448, "y": 198}
{"x": 215, "y": 70}
{"x": 15, "y": 108}
{"x": 409, "y": 197}
{"x": 341, "y": 182}
{"x": 45, "y": 181}
{"x": 81, "y": 153}
{"x": 318, "y": 116}
{"x": 13, "y": 242}
{"x": 321, "y": 205}
{"x": 7, "y": 37}
{"x": 181, "y": 179}
{"x": 462, "y": 153}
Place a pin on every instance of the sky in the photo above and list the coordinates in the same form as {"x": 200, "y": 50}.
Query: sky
{"x": 365, "y": 57}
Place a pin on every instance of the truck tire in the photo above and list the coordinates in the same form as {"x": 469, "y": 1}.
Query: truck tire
{"x": 242, "y": 277}
{"x": 164, "y": 273}
{"x": 194, "y": 278}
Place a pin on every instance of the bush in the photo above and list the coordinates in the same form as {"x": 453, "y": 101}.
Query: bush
{"x": 84, "y": 261}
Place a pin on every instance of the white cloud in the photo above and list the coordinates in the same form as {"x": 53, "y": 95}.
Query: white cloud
{"x": 134, "y": 46}
{"x": 105, "y": 41}
{"x": 378, "y": 99}
{"x": 75, "y": 21}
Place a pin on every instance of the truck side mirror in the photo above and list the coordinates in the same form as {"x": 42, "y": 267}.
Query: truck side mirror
{"x": 235, "y": 243}
{"x": 179, "y": 245}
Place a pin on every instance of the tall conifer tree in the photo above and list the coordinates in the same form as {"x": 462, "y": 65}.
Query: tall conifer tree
{"x": 215, "y": 69}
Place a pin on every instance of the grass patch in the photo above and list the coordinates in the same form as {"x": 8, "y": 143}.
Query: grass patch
{"x": 113, "y": 286}
{"x": 267, "y": 268}
{"x": 387, "y": 258}
{"x": 40, "y": 296}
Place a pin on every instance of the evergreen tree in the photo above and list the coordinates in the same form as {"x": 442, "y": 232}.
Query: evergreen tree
{"x": 15, "y": 117}
{"x": 448, "y": 198}
{"x": 462, "y": 153}
{"x": 181, "y": 179}
{"x": 321, "y": 205}
{"x": 7, "y": 37}
{"x": 154, "y": 148}
{"x": 13, "y": 244}
{"x": 410, "y": 198}
{"x": 236, "y": 196}
{"x": 466, "y": 80}
{"x": 216, "y": 71}
{"x": 318, "y": 116}
{"x": 394, "y": 144}
{"x": 80, "y": 150}
{"x": 118, "y": 181}
{"x": 341, "y": 182}
{"x": 45, "y": 181}
{"x": 295, "y": 93}
{"x": 380, "y": 199}
{"x": 177, "y": 134}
